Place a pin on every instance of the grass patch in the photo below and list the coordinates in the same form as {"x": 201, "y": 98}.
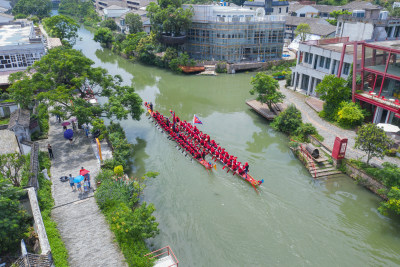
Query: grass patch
{"x": 46, "y": 203}
{"x": 4, "y": 121}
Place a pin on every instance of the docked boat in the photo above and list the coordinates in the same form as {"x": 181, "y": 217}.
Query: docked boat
{"x": 190, "y": 69}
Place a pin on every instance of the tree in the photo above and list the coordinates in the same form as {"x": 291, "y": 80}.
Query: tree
{"x": 109, "y": 23}
{"x": 13, "y": 218}
{"x": 169, "y": 19}
{"x": 40, "y": 8}
{"x": 104, "y": 36}
{"x": 13, "y": 168}
{"x": 65, "y": 78}
{"x": 333, "y": 91}
{"x": 288, "y": 121}
{"x": 350, "y": 114}
{"x": 62, "y": 27}
{"x": 393, "y": 202}
{"x": 302, "y": 30}
{"x": 266, "y": 88}
{"x": 134, "y": 22}
{"x": 372, "y": 140}
{"x": 335, "y": 14}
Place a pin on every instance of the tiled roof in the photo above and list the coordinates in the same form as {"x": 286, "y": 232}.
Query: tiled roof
{"x": 280, "y": 3}
{"x": 318, "y": 26}
{"x": 326, "y": 8}
{"x": 115, "y": 7}
{"x": 360, "y": 5}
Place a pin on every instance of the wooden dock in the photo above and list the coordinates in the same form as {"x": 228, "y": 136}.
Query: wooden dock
{"x": 264, "y": 110}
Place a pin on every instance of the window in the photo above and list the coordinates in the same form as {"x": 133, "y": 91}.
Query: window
{"x": 315, "y": 62}
{"x": 303, "y": 15}
{"x": 321, "y": 62}
{"x": 310, "y": 58}
{"x": 327, "y": 63}
{"x": 287, "y": 9}
{"x": 306, "y": 57}
{"x": 280, "y": 10}
{"x": 334, "y": 67}
{"x": 346, "y": 68}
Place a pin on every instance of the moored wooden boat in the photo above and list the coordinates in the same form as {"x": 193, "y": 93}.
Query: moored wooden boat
{"x": 190, "y": 69}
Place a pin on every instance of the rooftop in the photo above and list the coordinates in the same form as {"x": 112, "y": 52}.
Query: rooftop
{"x": 14, "y": 34}
{"x": 8, "y": 142}
{"x": 318, "y": 26}
{"x": 115, "y": 7}
{"x": 360, "y": 5}
{"x": 21, "y": 117}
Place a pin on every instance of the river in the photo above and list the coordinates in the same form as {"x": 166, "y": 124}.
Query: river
{"x": 216, "y": 219}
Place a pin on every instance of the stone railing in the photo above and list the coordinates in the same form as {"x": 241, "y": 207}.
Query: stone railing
{"x": 34, "y": 163}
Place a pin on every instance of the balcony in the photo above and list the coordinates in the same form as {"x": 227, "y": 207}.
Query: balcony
{"x": 391, "y": 104}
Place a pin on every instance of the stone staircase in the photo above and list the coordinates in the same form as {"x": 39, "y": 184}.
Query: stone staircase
{"x": 322, "y": 168}
{"x": 209, "y": 70}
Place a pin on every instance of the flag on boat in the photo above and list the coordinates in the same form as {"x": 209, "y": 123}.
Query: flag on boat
{"x": 196, "y": 120}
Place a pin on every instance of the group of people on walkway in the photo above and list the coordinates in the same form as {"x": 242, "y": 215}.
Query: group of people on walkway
{"x": 196, "y": 143}
{"x": 78, "y": 183}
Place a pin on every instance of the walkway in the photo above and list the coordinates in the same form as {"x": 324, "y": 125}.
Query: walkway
{"x": 326, "y": 129}
{"x": 83, "y": 227}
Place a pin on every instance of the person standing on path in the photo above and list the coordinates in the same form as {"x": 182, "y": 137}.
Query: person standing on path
{"x": 71, "y": 182}
{"x": 50, "y": 149}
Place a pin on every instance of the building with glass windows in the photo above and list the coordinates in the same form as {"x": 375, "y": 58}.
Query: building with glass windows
{"x": 379, "y": 90}
{"x": 234, "y": 34}
{"x": 317, "y": 58}
{"x": 20, "y": 47}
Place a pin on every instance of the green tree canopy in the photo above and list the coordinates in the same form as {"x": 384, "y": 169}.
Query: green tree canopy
{"x": 40, "y": 8}
{"x": 171, "y": 20}
{"x": 288, "y": 121}
{"x": 266, "y": 88}
{"x": 134, "y": 22}
{"x": 104, "y": 36}
{"x": 109, "y": 23}
{"x": 62, "y": 27}
{"x": 350, "y": 114}
{"x": 77, "y": 8}
{"x": 335, "y": 14}
{"x": 13, "y": 219}
{"x": 66, "y": 78}
{"x": 372, "y": 140}
{"x": 333, "y": 91}
{"x": 302, "y": 30}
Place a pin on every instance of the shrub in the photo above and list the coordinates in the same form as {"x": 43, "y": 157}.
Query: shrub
{"x": 393, "y": 203}
{"x": 304, "y": 131}
{"x": 112, "y": 191}
{"x": 14, "y": 221}
{"x": 288, "y": 121}
{"x": 43, "y": 117}
{"x": 349, "y": 115}
{"x": 104, "y": 175}
{"x": 119, "y": 171}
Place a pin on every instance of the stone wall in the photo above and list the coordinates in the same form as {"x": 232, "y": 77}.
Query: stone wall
{"x": 38, "y": 224}
{"x": 366, "y": 180}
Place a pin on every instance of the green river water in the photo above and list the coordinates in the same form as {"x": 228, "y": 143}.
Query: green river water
{"x": 216, "y": 219}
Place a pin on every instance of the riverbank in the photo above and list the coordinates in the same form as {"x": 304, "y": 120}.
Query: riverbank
{"x": 328, "y": 130}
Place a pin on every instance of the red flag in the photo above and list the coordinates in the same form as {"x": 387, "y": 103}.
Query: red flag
{"x": 196, "y": 120}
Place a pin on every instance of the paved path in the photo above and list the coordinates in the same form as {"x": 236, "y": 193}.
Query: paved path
{"x": 326, "y": 129}
{"x": 83, "y": 227}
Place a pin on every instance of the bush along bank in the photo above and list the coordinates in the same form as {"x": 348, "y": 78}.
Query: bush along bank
{"x": 118, "y": 197}
{"x": 388, "y": 176}
{"x": 46, "y": 203}
{"x": 290, "y": 122}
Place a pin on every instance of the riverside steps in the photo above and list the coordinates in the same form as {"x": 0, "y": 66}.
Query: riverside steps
{"x": 82, "y": 226}
{"x": 264, "y": 110}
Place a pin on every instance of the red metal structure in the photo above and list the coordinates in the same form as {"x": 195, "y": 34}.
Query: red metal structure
{"x": 164, "y": 252}
{"x": 339, "y": 148}
{"x": 379, "y": 70}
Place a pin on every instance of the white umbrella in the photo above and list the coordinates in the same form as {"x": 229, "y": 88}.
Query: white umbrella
{"x": 388, "y": 127}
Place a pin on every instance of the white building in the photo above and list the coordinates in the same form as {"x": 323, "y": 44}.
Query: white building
{"x": 311, "y": 11}
{"x": 19, "y": 47}
{"x": 270, "y": 7}
{"x": 317, "y": 59}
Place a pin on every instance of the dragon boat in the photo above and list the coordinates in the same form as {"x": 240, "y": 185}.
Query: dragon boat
{"x": 206, "y": 164}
